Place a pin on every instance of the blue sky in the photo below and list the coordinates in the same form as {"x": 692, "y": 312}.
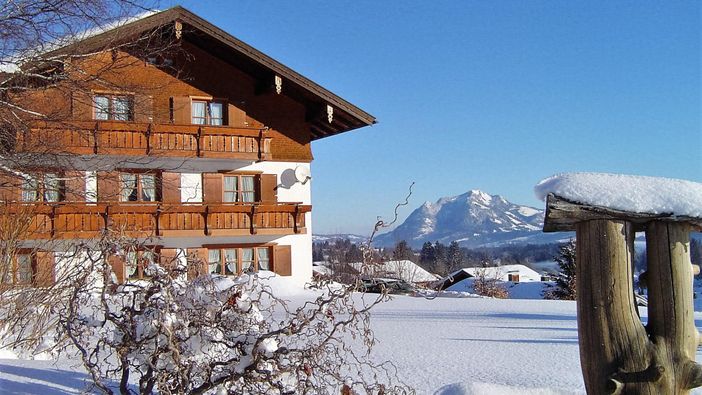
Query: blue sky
{"x": 484, "y": 95}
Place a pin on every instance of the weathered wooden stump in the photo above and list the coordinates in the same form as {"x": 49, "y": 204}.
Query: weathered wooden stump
{"x": 618, "y": 354}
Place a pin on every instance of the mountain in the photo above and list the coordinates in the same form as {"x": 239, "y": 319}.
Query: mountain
{"x": 473, "y": 219}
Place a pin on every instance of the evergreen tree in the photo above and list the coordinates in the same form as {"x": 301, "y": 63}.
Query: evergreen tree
{"x": 566, "y": 279}
{"x": 402, "y": 252}
{"x": 427, "y": 256}
{"x": 454, "y": 257}
{"x": 440, "y": 261}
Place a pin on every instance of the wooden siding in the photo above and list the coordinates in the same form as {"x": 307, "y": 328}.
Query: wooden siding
{"x": 87, "y": 220}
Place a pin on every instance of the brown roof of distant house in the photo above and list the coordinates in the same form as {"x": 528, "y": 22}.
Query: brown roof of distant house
{"x": 346, "y": 116}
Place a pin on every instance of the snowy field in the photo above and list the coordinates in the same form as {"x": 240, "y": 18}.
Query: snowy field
{"x": 445, "y": 346}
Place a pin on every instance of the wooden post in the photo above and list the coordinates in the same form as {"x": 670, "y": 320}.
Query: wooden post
{"x": 671, "y": 323}
{"x": 618, "y": 355}
{"x": 613, "y": 342}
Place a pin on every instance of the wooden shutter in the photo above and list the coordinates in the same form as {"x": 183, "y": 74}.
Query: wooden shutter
{"x": 44, "y": 269}
{"x": 180, "y": 110}
{"x": 168, "y": 258}
{"x": 108, "y": 186}
{"x": 10, "y": 187}
{"x": 197, "y": 262}
{"x": 212, "y": 187}
{"x": 117, "y": 264}
{"x": 74, "y": 186}
{"x": 269, "y": 188}
{"x": 235, "y": 116}
{"x": 170, "y": 187}
{"x": 82, "y": 105}
{"x": 282, "y": 260}
{"x": 143, "y": 108}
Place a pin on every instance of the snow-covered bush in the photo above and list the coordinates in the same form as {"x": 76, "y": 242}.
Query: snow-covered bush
{"x": 211, "y": 334}
{"x": 486, "y": 283}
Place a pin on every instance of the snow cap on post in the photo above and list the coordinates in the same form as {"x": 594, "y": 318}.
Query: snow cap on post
{"x": 574, "y": 197}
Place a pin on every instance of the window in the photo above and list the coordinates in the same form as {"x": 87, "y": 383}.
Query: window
{"x": 234, "y": 261}
{"x": 239, "y": 189}
{"x": 136, "y": 263}
{"x": 113, "y": 107}
{"x": 207, "y": 113}
{"x": 137, "y": 187}
{"x": 226, "y": 267}
{"x": 17, "y": 270}
{"x": 47, "y": 188}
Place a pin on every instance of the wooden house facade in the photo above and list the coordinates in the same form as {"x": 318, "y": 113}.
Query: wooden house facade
{"x": 196, "y": 151}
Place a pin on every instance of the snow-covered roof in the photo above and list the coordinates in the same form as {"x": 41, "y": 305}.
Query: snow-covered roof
{"x": 500, "y": 271}
{"x": 405, "y": 270}
{"x": 637, "y": 194}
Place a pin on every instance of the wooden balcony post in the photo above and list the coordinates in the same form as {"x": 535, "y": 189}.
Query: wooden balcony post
{"x": 199, "y": 142}
{"x": 252, "y": 214}
{"x": 148, "y": 138}
{"x": 95, "y": 137}
{"x": 52, "y": 217}
{"x": 206, "y": 215}
{"x": 296, "y": 219}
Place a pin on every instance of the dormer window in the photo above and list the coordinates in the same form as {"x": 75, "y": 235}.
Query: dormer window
{"x": 113, "y": 107}
{"x": 207, "y": 113}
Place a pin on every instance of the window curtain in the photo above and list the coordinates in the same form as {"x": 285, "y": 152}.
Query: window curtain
{"x": 51, "y": 188}
{"x": 29, "y": 189}
{"x": 24, "y": 269}
{"x": 102, "y": 107}
{"x": 230, "y": 189}
{"x": 199, "y": 113}
{"x": 131, "y": 265}
{"x": 247, "y": 260}
{"x": 148, "y": 188}
{"x": 230, "y": 262}
{"x": 263, "y": 261}
{"x": 213, "y": 262}
{"x": 247, "y": 189}
{"x": 129, "y": 187}
{"x": 121, "y": 107}
{"x": 216, "y": 114}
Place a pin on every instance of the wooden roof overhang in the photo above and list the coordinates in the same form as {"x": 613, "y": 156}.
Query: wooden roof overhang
{"x": 562, "y": 215}
{"x": 345, "y": 116}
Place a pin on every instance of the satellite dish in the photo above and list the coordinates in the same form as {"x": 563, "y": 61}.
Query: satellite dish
{"x": 302, "y": 174}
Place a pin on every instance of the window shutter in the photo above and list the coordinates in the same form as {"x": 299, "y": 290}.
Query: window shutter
{"x": 269, "y": 188}
{"x": 44, "y": 269}
{"x": 197, "y": 262}
{"x": 180, "y": 110}
{"x": 143, "y": 108}
{"x": 170, "y": 187}
{"x": 282, "y": 260}
{"x": 235, "y": 116}
{"x": 212, "y": 187}
{"x": 167, "y": 257}
{"x": 9, "y": 188}
{"x": 108, "y": 186}
{"x": 117, "y": 264}
{"x": 82, "y": 105}
{"x": 74, "y": 186}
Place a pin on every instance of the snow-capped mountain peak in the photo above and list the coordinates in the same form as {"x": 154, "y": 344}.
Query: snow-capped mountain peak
{"x": 474, "y": 218}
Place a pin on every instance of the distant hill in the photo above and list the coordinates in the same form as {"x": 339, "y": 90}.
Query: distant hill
{"x": 356, "y": 239}
{"x": 473, "y": 219}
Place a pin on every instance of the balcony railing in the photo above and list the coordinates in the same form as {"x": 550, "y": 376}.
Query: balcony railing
{"x": 89, "y": 220}
{"x": 145, "y": 139}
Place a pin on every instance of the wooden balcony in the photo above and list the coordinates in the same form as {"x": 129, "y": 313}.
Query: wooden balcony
{"x": 90, "y": 220}
{"x": 145, "y": 139}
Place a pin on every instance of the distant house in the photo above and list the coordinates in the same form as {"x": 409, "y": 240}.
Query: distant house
{"x": 405, "y": 270}
{"x": 511, "y": 273}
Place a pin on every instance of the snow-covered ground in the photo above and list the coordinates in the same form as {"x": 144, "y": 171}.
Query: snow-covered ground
{"x": 444, "y": 346}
